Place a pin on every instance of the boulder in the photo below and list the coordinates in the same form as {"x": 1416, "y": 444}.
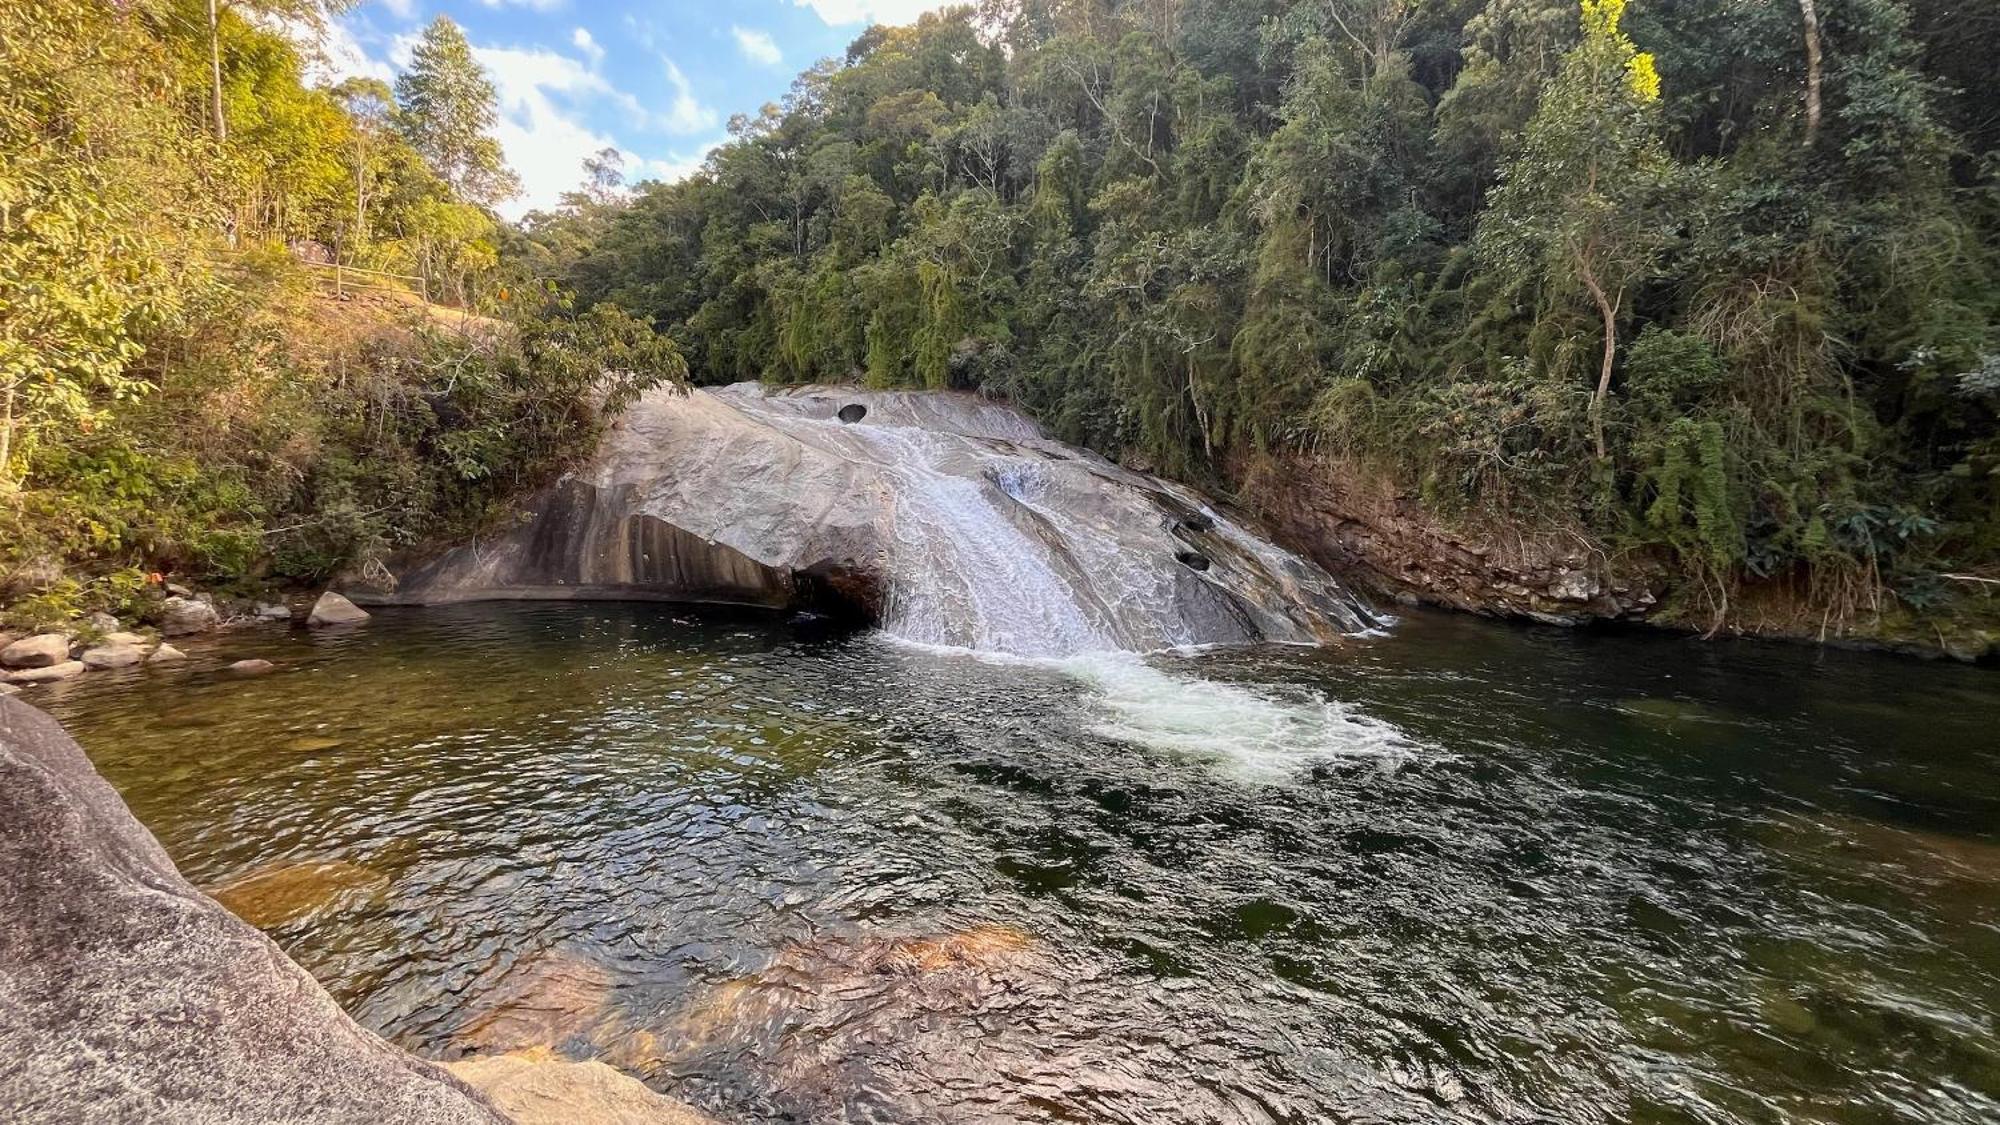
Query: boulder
{"x": 131, "y": 996}
{"x": 251, "y": 667}
{"x": 123, "y": 637}
{"x": 272, "y": 611}
{"x": 944, "y": 517}
{"x": 113, "y": 656}
{"x": 102, "y": 622}
{"x": 38, "y": 651}
{"x": 180, "y": 617}
{"x": 536, "y": 1087}
{"x": 47, "y": 675}
{"x": 166, "y": 654}
{"x": 334, "y": 609}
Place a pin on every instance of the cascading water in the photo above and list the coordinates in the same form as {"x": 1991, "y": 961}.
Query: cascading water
{"x": 953, "y": 523}
{"x": 999, "y": 542}
{"x": 1007, "y": 547}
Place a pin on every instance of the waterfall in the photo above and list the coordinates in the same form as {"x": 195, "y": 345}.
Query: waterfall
{"x": 999, "y": 541}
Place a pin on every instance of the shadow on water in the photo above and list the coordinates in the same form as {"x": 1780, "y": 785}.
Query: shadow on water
{"x": 1457, "y": 873}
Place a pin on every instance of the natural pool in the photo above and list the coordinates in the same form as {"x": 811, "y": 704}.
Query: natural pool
{"x": 1460, "y": 872}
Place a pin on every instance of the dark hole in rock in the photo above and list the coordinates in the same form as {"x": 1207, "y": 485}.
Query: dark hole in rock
{"x": 1197, "y": 521}
{"x": 852, "y": 412}
{"x": 1193, "y": 560}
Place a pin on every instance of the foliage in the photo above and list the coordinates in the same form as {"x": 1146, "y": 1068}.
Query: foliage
{"x": 1541, "y": 260}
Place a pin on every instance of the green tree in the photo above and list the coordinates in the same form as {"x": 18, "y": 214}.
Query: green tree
{"x": 448, "y": 107}
{"x": 1580, "y": 203}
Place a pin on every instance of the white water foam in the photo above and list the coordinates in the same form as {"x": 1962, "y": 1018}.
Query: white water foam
{"x": 1251, "y": 734}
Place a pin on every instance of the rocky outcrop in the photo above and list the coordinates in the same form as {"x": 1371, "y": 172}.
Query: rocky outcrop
{"x": 130, "y": 996}
{"x": 333, "y": 609}
{"x": 1362, "y": 526}
{"x": 944, "y": 517}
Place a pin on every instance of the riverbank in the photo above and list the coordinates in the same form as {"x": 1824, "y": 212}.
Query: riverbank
{"x": 1380, "y": 538}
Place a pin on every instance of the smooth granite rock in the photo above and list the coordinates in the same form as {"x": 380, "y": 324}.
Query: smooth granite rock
{"x": 38, "y": 651}
{"x": 536, "y": 1087}
{"x": 166, "y": 654}
{"x": 946, "y": 518}
{"x": 333, "y": 609}
{"x": 129, "y": 996}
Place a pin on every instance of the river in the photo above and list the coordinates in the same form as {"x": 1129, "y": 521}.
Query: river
{"x": 1453, "y": 872}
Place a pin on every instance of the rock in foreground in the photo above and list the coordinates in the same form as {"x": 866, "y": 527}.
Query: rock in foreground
{"x": 130, "y": 996}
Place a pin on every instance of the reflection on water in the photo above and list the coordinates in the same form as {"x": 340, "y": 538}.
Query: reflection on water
{"x": 1458, "y": 873}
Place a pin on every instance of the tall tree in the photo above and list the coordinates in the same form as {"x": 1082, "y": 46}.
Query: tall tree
{"x": 448, "y": 105}
{"x": 1580, "y": 203}
{"x": 371, "y": 108}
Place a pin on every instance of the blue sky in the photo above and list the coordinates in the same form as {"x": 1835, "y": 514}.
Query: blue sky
{"x": 657, "y": 80}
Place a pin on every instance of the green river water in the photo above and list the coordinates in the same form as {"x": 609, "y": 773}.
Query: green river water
{"x": 1458, "y": 872}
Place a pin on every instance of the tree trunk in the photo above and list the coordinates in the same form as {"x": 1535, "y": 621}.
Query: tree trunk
{"x": 1811, "y": 15}
{"x": 1608, "y": 309}
{"x": 7, "y": 442}
{"x": 215, "y": 73}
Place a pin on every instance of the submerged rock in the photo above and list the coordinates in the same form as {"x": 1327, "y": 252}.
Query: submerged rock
{"x": 944, "y": 517}
{"x": 180, "y": 617}
{"x": 166, "y": 654}
{"x": 251, "y": 667}
{"x": 281, "y": 893}
{"x": 545, "y": 1000}
{"x": 535, "y": 1087}
{"x": 113, "y": 656}
{"x": 130, "y": 996}
{"x": 38, "y": 651}
{"x": 333, "y": 609}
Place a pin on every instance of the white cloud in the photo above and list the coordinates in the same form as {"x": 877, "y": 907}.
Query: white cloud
{"x": 401, "y": 9}
{"x": 340, "y": 55}
{"x": 757, "y": 46}
{"x": 545, "y": 143}
{"x": 587, "y": 44}
{"x": 685, "y": 114}
{"x": 537, "y": 5}
{"x": 669, "y": 169}
{"x": 840, "y": 12}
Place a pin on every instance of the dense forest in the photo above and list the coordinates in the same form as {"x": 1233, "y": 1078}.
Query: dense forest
{"x": 1711, "y": 282}
{"x": 1710, "y": 285}
{"x": 184, "y": 396}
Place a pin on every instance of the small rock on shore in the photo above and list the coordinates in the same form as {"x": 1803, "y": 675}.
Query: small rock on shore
{"x": 39, "y": 651}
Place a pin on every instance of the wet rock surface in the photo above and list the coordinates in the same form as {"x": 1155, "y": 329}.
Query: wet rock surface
{"x": 535, "y": 1087}
{"x": 130, "y": 996}
{"x": 944, "y": 517}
